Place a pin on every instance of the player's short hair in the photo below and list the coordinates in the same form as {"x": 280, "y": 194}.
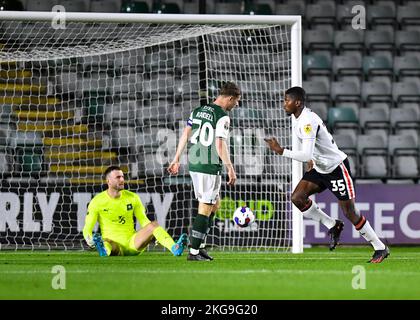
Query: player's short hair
{"x": 296, "y": 93}
{"x": 230, "y": 89}
{"x": 110, "y": 169}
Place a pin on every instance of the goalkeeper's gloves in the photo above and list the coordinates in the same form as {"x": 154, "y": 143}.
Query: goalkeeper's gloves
{"x": 90, "y": 242}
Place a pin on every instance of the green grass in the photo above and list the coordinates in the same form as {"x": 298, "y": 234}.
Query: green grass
{"x": 316, "y": 274}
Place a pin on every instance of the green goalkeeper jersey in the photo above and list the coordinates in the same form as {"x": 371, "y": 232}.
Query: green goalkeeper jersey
{"x": 115, "y": 215}
{"x": 208, "y": 122}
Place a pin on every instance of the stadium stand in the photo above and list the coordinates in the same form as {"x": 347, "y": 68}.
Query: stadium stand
{"x": 365, "y": 84}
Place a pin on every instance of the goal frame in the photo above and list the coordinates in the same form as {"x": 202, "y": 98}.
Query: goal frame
{"x": 296, "y": 59}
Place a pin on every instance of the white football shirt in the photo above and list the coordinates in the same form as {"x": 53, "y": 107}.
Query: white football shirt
{"x": 317, "y": 143}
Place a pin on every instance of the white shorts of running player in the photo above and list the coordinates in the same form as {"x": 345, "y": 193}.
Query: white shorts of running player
{"x": 206, "y": 186}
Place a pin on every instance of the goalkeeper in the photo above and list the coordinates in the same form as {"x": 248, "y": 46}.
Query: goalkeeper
{"x": 115, "y": 208}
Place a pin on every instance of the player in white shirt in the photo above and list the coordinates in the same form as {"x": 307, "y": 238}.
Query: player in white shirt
{"x": 328, "y": 168}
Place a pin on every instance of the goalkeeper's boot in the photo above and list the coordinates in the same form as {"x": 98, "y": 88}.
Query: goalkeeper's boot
{"x": 178, "y": 248}
{"x": 204, "y": 253}
{"x": 99, "y": 245}
{"x": 335, "y": 233}
{"x": 379, "y": 255}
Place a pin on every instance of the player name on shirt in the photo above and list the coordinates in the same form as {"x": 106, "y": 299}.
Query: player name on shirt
{"x": 204, "y": 115}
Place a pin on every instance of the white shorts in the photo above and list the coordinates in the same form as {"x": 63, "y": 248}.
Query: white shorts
{"x": 206, "y": 186}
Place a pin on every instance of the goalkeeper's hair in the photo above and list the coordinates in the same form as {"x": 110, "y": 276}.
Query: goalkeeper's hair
{"x": 230, "y": 89}
{"x": 297, "y": 93}
{"x": 110, "y": 169}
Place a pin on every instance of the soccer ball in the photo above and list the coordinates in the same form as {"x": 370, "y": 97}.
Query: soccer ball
{"x": 243, "y": 217}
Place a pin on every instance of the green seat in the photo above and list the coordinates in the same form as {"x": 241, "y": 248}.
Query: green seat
{"x": 376, "y": 65}
{"x": 343, "y": 115}
{"x": 30, "y": 160}
{"x": 166, "y": 8}
{"x": 258, "y": 9}
{"x": 11, "y": 5}
{"x": 135, "y": 7}
{"x": 94, "y": 102}
{"x": 316, "y": 64}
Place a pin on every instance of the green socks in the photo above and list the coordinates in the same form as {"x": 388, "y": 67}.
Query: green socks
{"x": 199, "y": 230}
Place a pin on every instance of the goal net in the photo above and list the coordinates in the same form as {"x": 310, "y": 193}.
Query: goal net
{"x": 85, "y": 91}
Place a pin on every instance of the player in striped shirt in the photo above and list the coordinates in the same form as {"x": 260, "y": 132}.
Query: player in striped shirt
{"x": 328, "y": 169}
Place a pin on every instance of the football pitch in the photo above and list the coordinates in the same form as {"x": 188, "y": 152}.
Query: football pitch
{"x": 315, "y": 274}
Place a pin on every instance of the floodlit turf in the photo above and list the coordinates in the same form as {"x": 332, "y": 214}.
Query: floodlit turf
{"x": 316, "y": 274}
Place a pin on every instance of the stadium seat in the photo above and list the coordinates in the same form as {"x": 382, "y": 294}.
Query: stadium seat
{"x": 349, "y": 41}
{"x": 123, "y": 137}
{"x": 132, "y": 6}
{"x": 344, "y": 15}
{"x": 374, "y": 121}
{"x": 93, "y": 103}
{"x": 405, "y": 94}
{"x": 373, "y": 159}
{"x": 191, "y": 7}
{"x": 29, "y": 161}
{"x": 150, "y": 166}
{"x": 318, "y": 41}
{"x": 375, "y": 167}
{"x": 381, "y": 15}
{"x": 5, "y": 162}
{"x": 407, "y": 41}
{"x": 228, "y": 7}
{"x": 147, "y": 138}
{"x": 320, "y": 15}
{"x": 347, "y": 68}
{"x": 408, "y": 16}
{"x": 25, "y": 139}
{"x": 245, "y": 117}
{"x": 289, "y": 9}
{"x": 166, "y": 7}
{"x": 407, "y": 68}
{"x": 259, "y": 7}
{"x": 378, "y": 68}
{"x": 402, "y": 145}
{"x": 368, "y": 144}
{"x": 404, "y": 119}
{"x": 345, "y": 142}
{"x": 380, "y": 42}
{"x": 12, "y": 5}
{"x": 343, "y": 93}
{"x": 40, "y": 5}
{"x": 339, "y": 118}
{"x": 374, "y": 93}
{"x": 157, "y": 61}
{"x": 316, "y": 65}
{"x": 123, "y": 111}
{"x": 405, "y": 167}
{"x": 105, "y": 6}
{"x": 316, "y": 91}
{"x": 75, "y": 5}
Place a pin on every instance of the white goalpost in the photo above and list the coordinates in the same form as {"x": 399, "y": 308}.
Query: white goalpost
{"x": 82, "y": 91}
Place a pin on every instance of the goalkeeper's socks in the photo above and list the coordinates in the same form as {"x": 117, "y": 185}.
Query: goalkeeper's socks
{"x": 313, "y": 212}
{"x": 199, "y": 231}
{"x": 163, "y": 238}
{"x": 366, "y": 231}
